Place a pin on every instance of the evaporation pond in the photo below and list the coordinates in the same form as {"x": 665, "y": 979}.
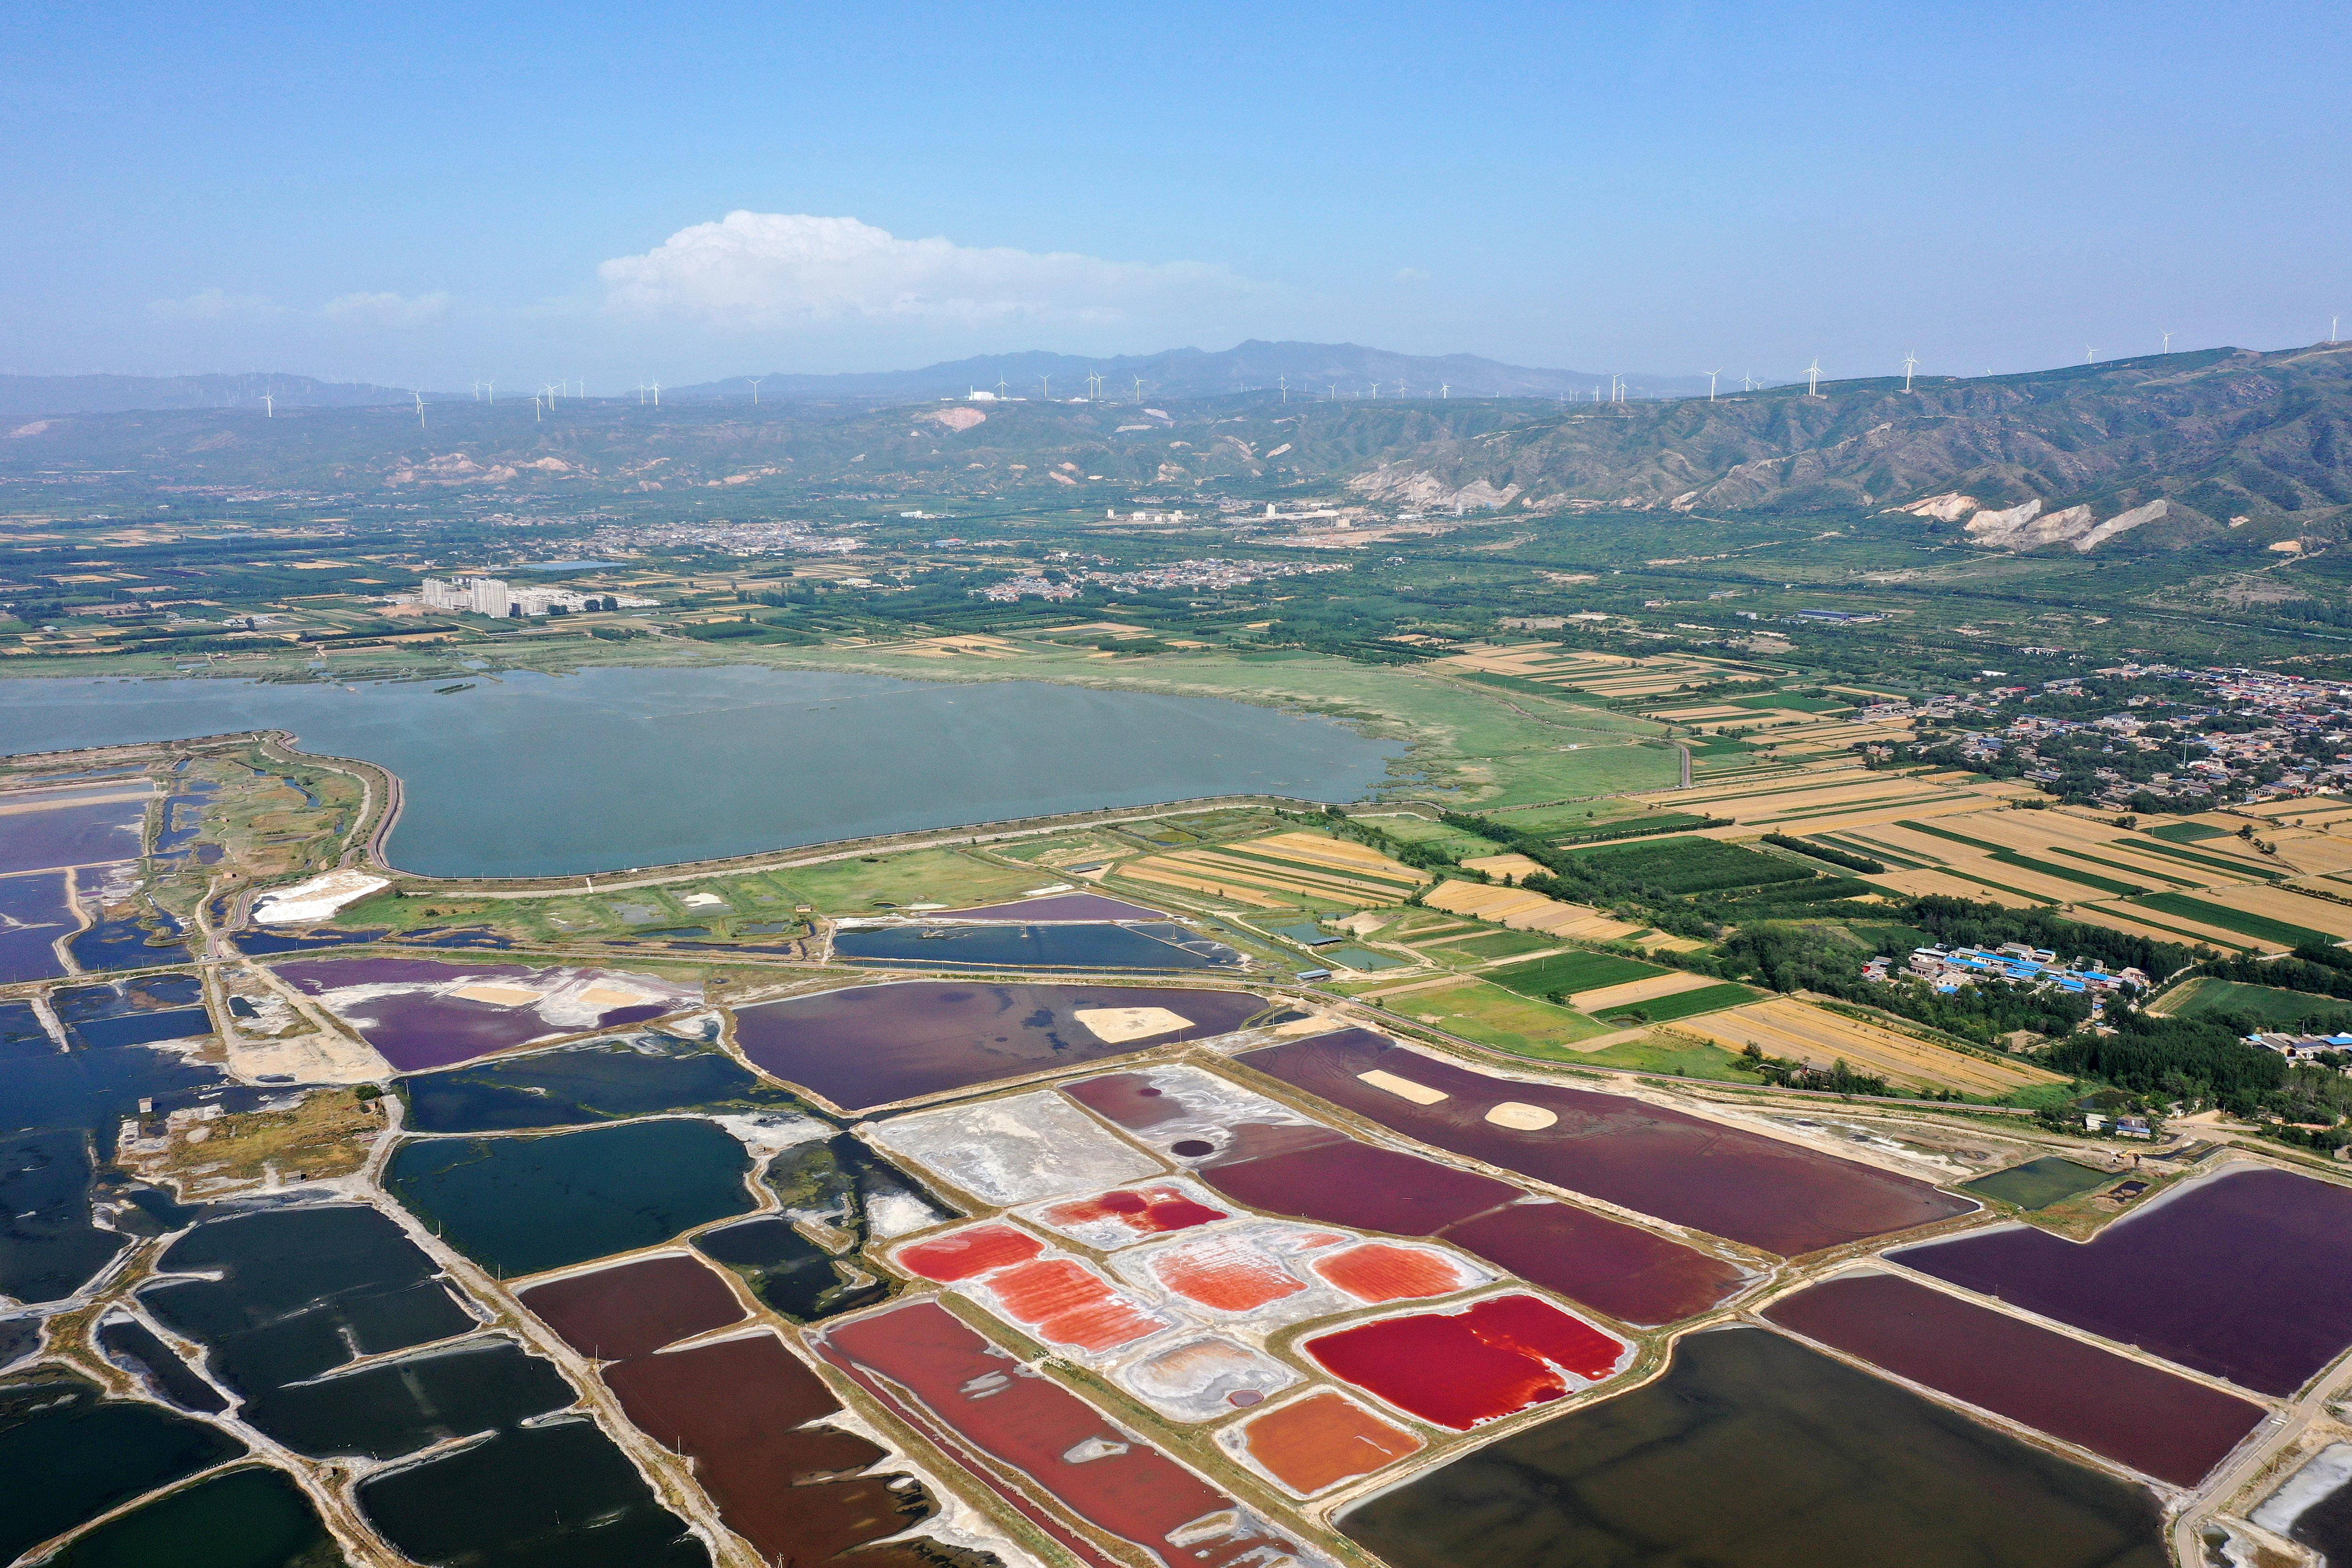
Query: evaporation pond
{"x": 587, "y": 763}
{"x": 2240, "y": 1275}
{"x": 605, "y": 1080}
{"x": 249, "y": 1517}
{"x": 1762, "y": 1191}
{"x": 1753, "y": 1451}
{"x": 522, "y": 1205}
{"x": 424, "y": 1013}
{"x": 876, "y": 1045}
{"x": 2157, "y": 1422}
{"x": 1075, "y": 945}
{"x": 67, "y": 1456}
{"x": 2038, "y": 1184}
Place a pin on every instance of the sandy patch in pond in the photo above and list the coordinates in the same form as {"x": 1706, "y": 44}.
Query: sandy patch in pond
{"x": 1403, "y": 1087}
{"x": 1525, "y": 1118}
{"x": 1116, "y": 1026}
{"x": 502, "y": 995}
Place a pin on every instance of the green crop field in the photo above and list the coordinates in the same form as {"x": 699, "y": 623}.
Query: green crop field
{"x": 1674, "y": 1056}
{"x": 2265, "y": 1005}
{"x": 951, "y": 876}
{"x": 1693, "y": 865}
{"x": 2261, "y": 928}
{"x": 1497, "y": 945}
{"x": 2192, "y": 858}
{"x": 1682, "y": 1005}
{"x": 1503, "y": 1019}
{"x": 2188, "y": 832}
{"x": 1569, "y": 973}
{"x": 2038, "y": 1184}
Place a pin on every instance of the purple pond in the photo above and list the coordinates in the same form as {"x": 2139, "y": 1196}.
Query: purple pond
{"x": 426, "y": 1013}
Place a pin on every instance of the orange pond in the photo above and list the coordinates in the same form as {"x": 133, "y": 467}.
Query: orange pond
{"x": 1155, "y": 1210}
{"x": 1060, "y": 1300}
{"x": 1322, "y": 1440}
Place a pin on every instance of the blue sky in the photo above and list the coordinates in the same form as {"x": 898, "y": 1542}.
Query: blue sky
{"x": 430, "y": 194}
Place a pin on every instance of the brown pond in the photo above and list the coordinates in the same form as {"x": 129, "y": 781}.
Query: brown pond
{"x": 2242, "y": 1276}
{"x": 876, "y": 1045}
{"x": 1320, "y": 1175}
{"x": 1763, "y": 1191}
{"x": 2159, "y": 1424}
{"x": 613, "y": 1314}
{"x": 739, "y": 1408}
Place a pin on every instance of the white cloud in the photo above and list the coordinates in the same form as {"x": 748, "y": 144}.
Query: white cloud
{"x": 212, "y": 305}
{"x": 387, "y": 310}
{"x": 785, "y": 270}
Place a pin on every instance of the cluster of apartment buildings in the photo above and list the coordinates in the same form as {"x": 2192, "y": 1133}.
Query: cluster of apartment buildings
{"x": 1949, "y": 968}
{"x": 496, "y": 597}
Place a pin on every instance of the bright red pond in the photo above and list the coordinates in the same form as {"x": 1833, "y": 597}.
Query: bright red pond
{"x": 1147, "y": 1211}
{"x": 1480, "y": 1364}
{"x": 967, "y": 1253}
{"x": 950, "y": 1383}
{"x": 1226, "y": 1274}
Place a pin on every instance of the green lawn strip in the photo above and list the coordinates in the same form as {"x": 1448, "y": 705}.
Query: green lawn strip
{"x": 2260, "y": 927}
{"x": 2187, "y": 832}
{"x": 1683, "y": 1004}
{"x": 1570, "y": 972}
{"x": 2008, "y": 856}
{"x": 1673, "y": 1056}
{"x": 2267, "y": 1004}
{"x": 2120, "y": 866}
{"x": 1765, "y": 700}
{"x": 2215, "y": 861}
{"x": 1875, "y": 851}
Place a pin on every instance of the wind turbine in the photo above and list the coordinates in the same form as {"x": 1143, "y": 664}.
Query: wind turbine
{"x": 268, "y": 406}
{"x": 492, "y": 388}
{"x": 1710, "y": 384}
{"x": 658, "y": 395}
{"x": 1814, "y": 377}
{"x": 536, "y": 404}
{"x": 1139, "y": 389}
{"x": 2087, "y": 355}
{"x": 2167, "y": 343}
{"x": 1047, "y": 383}
{"x": 1284, "y": 379}
{"x": 1910, "y": 363}
{"x": 420, "y": 407}
{"x": 1000, "y": 388}
{"x": 2332, "y": 323}
{"x": 1376, "y": 389}
{"x": 755, "y": 381}
{"x": 1445, "y": 390}
{"x": 1746, "y": 381}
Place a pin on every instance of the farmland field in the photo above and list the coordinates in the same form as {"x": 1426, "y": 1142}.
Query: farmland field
{"x": 1685, "y": 1004}
{"x": 1689, "y": 865}
{"x": 2266, "y": 1004}
{"x": 2261, "y": 928}
{"x": 1818, "y": 1037}
{"x": 1504, "y": 1019}
{"x": 1569, "y": 973}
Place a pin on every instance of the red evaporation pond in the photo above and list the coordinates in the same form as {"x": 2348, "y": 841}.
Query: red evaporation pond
{"x": 739, "y": 1409}
{"x": 1147, "y": 1211}
{"x": 1615, "y": 1267}
{"x": 1384, "y": 1271}
{"x": 615, "y": 1313}
{"x": 956, "y": 1388}
{"x": 1067, "y": 1303}
{"x": 2159, "y": 1424}
{"x": 1229, "y": 1274}
{"x": 1459, "y": 1369}
{"x": 1322, "y": 1440}
{"x": 1129, "y": 1099}
{"x": 964, "y": 1254}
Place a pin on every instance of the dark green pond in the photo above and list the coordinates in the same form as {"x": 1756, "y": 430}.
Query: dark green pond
{"x": 523, "y": 1205}
{"x": 789, "y": 1272}
{"x": 603, "y": 1081}
{"x": 558, "y": 1496}
{"x": 246, "y": 1519}
{"x": 1755, "y": 1452}
{"x": 397, "y": 1407}
{"x": 67, "y": 1456}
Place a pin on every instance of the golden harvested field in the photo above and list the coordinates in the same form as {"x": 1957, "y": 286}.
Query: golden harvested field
{"x": 2284, "y": 904}
{"x": 1518, "y": 867}
{"x": 1281, "y": 868}
{"x": 1943, "y": 884}
{"x": 975, "y": 646}
{"x": 1523, "y": 910}
{"x": 1649, "y": 988}
{"x": 1783, "y": 1026}
{"x": 2129, "y": 919}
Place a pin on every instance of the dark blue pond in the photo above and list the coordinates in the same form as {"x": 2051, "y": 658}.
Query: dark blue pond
{"x": 33, "y": 915}
{"x": 67, "y": 1456}
{"x": 82, "y": 834}
{"x": 48, "y": 1245}
{"x": 1091, "y": 946}
{"x": 138, "y": 1349}
{"x": 247, "y": 1518}
{"x": 603, "y": 1081}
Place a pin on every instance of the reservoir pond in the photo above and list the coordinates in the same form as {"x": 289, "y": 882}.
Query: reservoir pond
{"x": 1069, "y": 946}
{"x": 603, "y": 1081}
{"x": 249, "y": 1517}
{"x": 67, "y": 1456}
{"x": 586, "y": 765}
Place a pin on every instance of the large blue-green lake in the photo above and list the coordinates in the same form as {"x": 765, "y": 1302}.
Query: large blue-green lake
{"x": 528, "y": 774}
